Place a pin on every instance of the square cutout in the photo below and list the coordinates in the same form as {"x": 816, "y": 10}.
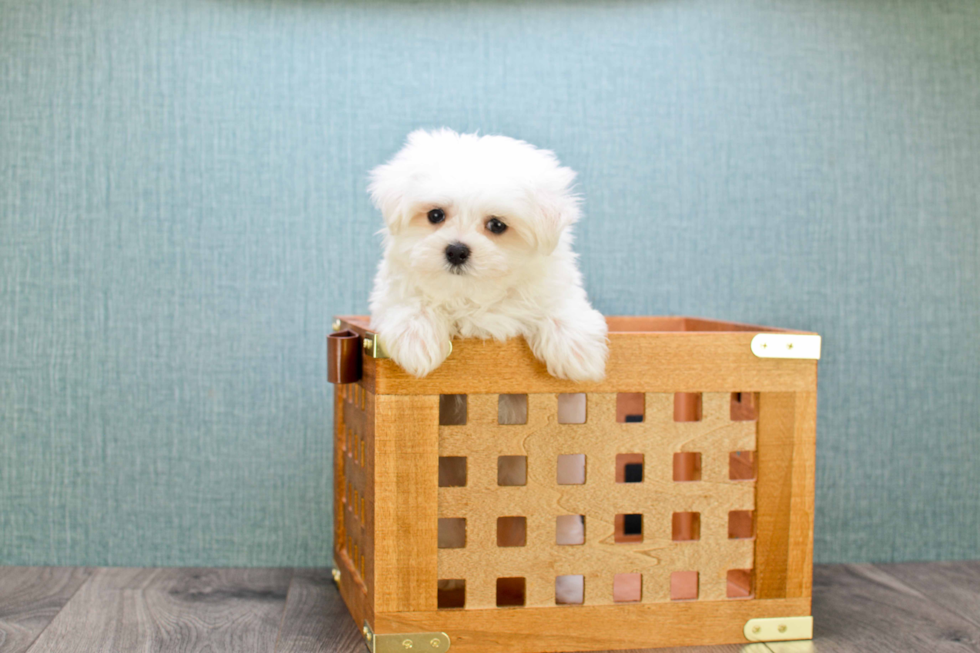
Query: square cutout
{"x": 741, "y": 466}
{"x": 629, "y": 468}
{"x": 685, "y": 526}
{"x": 571, "y": 408}
{"x": 630, "y": 407}
{"x": 687, "y": 407}
{"x": 511, "y": 531}
{"x": 511, "y": 409}
{"x": 684, "y": 586}
{"x": 452, "y": 533}
{"x": 452, "y": 471}
{"x": 628, "y": 528}
{"x": 744, "y": 407}
{"x": 741, "y": 525}
{"x": 570, "y": 530}
{"x": 740, "y": 584}
{"x": 512, "y": 470}
{"x": 451, "y": 593}
{"x": 570, "y": 590}
{"x": 510, "y": 592}
{"x": 452, "y": 410}
{"x": 627, "y": 588}
{"x": 571, "y": 469}
{"x": 687, "y": 466}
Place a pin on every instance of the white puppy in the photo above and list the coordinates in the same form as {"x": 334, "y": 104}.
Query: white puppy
{"x": 478, "y": 244}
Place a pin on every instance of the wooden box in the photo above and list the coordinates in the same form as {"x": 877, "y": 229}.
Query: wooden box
{"x": 696, "y": 500}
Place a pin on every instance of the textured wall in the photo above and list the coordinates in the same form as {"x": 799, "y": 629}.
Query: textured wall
{"x": 182, "y": 209}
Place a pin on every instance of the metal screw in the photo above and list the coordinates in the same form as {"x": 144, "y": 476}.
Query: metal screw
{"x": 435, "y": 643}
{"x": 782, "y": 628}
{"x": 789, "y": 345}
{"x": 756, "y": 629}
{"x": 407, "y": 644}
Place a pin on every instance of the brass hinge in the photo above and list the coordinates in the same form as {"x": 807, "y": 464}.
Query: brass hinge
{"x": 336, "y": 576}
{"x": 373, "y": 347}
{"x": 786, "y": 345}
{"x": 405, "y": 642}
{"x": 778, "y": 629}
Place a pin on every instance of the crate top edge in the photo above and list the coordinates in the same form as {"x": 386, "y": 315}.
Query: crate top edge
{"x": 640, "y": 324}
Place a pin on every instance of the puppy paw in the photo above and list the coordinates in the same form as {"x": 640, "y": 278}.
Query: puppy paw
{"x": 583, "y": 359}
{"x": 418, "y": 344}
{"x": 576, "y": 351}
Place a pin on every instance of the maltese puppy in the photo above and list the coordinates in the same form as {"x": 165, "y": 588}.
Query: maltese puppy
{"x": 478, "y": 244}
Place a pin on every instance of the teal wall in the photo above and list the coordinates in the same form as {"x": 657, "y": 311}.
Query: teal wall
{"x": 182, "y": 209}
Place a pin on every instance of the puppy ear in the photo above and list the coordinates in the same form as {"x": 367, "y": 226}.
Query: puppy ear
{"x": 386, "y": 194}
{"x": 391, "y": 183}
{"x": 558, "y": 208}
{"x": 388, "y": 188}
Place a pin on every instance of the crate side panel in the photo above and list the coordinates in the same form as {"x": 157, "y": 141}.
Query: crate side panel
{"x": 339, "y": 478}
{"x": 353, "y": 497}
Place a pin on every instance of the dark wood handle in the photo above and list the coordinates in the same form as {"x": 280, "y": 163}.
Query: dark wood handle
{"x": 343, "y": 357}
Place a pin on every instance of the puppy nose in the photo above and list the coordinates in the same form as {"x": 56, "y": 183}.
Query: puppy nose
{"x": 457, "y": 253}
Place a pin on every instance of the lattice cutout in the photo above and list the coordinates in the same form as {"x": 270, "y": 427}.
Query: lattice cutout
{"x": 600, "y": 499}
{"x": 354, "y": 471}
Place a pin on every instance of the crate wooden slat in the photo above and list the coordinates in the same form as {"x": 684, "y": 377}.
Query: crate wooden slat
{"x": 686, "y": 361}
{"x": 593, "y": 628}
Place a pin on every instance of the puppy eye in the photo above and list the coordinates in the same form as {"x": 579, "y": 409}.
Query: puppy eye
{"x": 495, "y": 226}
{"x": 436, "y": 216}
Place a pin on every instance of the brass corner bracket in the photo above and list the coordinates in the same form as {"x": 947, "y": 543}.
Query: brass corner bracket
{"x": 405, "y": 642}
{"x": 786, "y": 345}
{"x": 778, "y": 629}
{"x": 372, "y": 346}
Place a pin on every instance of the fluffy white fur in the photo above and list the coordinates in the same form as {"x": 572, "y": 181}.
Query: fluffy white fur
{"x": 523, "y": 282}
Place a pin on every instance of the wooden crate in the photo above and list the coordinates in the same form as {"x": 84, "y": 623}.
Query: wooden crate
{"x": 736, "y": 474}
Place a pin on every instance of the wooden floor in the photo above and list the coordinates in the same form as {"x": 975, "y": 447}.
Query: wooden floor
{"x": 931, "y": 607}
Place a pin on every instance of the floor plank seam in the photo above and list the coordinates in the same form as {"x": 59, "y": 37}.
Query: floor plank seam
{"x": 95, "y": 572}
{"x": 285, "y": 605}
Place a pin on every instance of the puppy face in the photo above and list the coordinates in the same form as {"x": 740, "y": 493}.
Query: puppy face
{"x": 460, "y": 209}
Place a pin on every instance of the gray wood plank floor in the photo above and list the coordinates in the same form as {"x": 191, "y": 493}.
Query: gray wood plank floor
{"x": 865, "y": 608}
{"x": 184, "y": 610}
{"x": 929, "y": 607}
{"x": 953, "y": 585}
